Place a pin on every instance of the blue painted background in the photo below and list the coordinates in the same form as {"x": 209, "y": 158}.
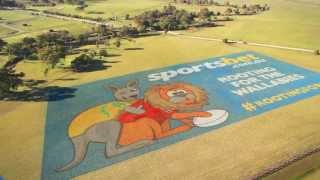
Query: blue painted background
{"x": 58, "y": 149}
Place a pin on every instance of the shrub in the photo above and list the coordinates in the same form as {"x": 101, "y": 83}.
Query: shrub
{"x": 86, "y": 63}
{"x": 103, "y": 53}
{"x": 33, "y": 57}
{"x": 225, "y": 40}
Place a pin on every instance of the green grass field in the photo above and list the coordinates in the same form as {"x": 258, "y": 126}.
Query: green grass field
{"x": 35, "y": 25}
{"x": 109, "y": 8}
{"x": 288, "y": 23}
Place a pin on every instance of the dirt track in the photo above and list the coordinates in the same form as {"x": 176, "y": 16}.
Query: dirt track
{"x": 243, "y": 42}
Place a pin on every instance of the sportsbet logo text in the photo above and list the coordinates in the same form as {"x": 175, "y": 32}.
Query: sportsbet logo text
{"x": 244, "y": 60}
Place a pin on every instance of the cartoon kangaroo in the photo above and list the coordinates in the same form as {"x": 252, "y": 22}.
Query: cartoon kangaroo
{"x": 98, "y": 124}
{"x": 144, "y": 120}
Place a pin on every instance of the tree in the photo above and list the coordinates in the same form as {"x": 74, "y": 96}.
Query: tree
{"x": 117, "y": 43}
{"x": 29, "y": 46}
{"x": 168, "y": 23}
{"x": 85, "y": 63}
{"x": 228, "y": 11}
{"x": 205, "y": 14}
{"x": 225, "y": 40}
{"x": 236, "y": 11}
{"x": 127, "y": 17}
{"x": 9, "y": 79}
{"x": 18, "y": 50}
{"x": 23, "y": 49}
{"x": 101, "y": 31}
{"x": 185, "y": 18}
{"x": 83, "y": 38}
{"x": 54, "y": 38}
{"x": 2, "y": 44}
{"x": 317, "y": 52}
{"x": 52, "y": 55}
{"x": 128, "y": 31}
{"x": 103, "y": 53}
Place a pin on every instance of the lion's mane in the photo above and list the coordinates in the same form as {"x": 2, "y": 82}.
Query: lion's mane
{"x": 152, "y": 96}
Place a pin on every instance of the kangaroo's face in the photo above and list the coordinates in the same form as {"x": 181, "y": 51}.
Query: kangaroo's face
{"x": 128, "y": 93}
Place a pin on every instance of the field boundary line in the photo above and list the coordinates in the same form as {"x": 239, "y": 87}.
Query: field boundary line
{"x": 284, "y": 164}
{"x": 242, "y": 42}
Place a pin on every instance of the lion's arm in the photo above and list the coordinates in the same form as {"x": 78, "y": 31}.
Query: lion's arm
{"x": 188, "y": 122}
{"x": 190, "y": 115}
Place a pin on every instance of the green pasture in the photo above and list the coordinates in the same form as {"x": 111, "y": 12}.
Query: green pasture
{"x": 109, "y": 8}
{"x": 4, "y": 31}
{"x": 293, "y": 23}
{"x": 289, "y": 22}
{"x": 30, "y": 25}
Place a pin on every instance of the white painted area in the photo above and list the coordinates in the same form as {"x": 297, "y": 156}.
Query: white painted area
{"x": 218, "y": 116}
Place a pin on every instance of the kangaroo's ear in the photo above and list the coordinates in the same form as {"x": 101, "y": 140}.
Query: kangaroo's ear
{"x": 133, "y": 83}
{"x": 113, "y": 88}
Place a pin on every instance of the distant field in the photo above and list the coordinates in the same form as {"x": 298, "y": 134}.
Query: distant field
{"x": 289, "y": 23}
{"x": 35, "y": 25}
{"x": 4, "y": 31}
{"x": 109, "y": 8}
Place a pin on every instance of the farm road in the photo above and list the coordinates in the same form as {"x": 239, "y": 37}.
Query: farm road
{"x": 11, "y": 27}
{"x": 242, "y": 42}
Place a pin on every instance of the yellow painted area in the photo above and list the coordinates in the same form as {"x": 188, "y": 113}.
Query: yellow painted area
{"x": 86, "y": 119}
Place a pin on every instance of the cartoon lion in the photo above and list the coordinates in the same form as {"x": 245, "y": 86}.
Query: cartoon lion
{"x": 144, "y": 121}
{"x": 161, "y": 103}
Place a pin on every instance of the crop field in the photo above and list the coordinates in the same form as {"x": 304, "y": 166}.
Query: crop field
{"x": 100, "y": 8}
{"x": 296, "y": 26}
{"x": 237, "y": 151}
{"x": 24, "y": 24}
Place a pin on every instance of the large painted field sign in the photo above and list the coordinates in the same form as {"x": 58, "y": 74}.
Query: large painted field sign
{"x": 112, "y": 120}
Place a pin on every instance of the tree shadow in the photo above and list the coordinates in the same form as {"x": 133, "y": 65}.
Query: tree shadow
{"x": 93, "y": 65}
{"x": 112, "y": 61}
{"x": 39, "y": 94}
{"x": 33, "y": 83}
{"x": 66, "y": 79}
{"x": 133, "y": 49}
{"x": 113, "y": 55}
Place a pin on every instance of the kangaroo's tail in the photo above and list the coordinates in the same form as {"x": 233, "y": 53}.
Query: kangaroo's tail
{"x": 80, "y": 145}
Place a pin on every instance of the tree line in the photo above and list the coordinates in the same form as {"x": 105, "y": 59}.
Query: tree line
{"x": 233, "y": 9}
{"x": 53, "y": 46}
{"x": 98, "y": 19}
{"x": 10, "y": 3}
{"x": 171, "y": 18}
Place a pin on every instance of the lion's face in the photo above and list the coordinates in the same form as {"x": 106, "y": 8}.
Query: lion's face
{"x": 177, "y": 96}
